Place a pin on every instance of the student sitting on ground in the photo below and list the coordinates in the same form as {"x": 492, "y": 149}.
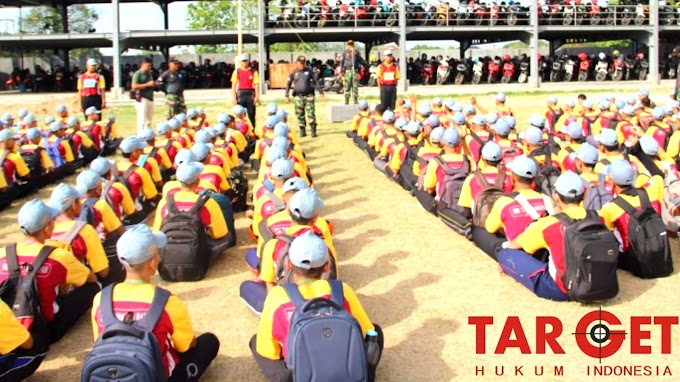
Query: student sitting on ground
{"x": 59, "y": 141}
{"x": 402, "y": 157}
{"x": 158, "y": 153}
{"x": 510, "y": 215}
{"x": 60, "y": 307}
{"x": 97, "y": 212}
{"x": 545, "y": 279}
{"x": 488, "y": 172}
{"x": 19, "y": 357}
{"x": 308, "y": 260}
{"x": 116, "y": 192}
{"x": 79, "y": 236}
{"x": 185, "y": 356}
{"x": 165, "y": 140}
{"x": 271, "y": 201}
{"x": 188, "y": 174}
{"x": 39, "y": 163}
{"x": 12, "y": 163}
{"x": 573, "y": 133}
{"x": 138, "y": 179}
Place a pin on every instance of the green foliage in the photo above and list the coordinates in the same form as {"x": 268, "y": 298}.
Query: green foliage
{"x": 425, "y": 47}
{"x": 601, "y": 44}
{"x": 46, "y": 20}
{"x": 213, "y": 15}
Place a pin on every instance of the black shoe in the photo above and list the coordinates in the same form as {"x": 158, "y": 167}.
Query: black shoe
{"x": 347, "y": 102}
{"x": 303, "y": 133}
{"x": 313, "y": 134}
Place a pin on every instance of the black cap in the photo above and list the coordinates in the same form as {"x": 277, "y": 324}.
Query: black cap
{"x": 174, "y": 60}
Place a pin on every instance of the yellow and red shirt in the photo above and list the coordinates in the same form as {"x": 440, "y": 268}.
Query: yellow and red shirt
{"x": 434, "y": 174}
{"x": 472, "y": 188}
{"x": 140, "y": 181}
{"x": 508, "y": 214}
{"x": 14, "y": 165}
{"x": 61, "y": 267}
{"x": 86, "y": 247}
{"x": 211, "y": 214}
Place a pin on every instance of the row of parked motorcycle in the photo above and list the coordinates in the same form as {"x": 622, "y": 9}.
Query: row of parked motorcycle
{"x": 364, "y": 13}
{"x": 505, "y": 69}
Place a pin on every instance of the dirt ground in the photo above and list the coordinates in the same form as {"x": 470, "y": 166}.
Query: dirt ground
{"x": 415, "y": 277}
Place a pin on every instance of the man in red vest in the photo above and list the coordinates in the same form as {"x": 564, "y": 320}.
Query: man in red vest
{"x": 245, "y": 87}
{"x": 91, "y": 87}
{"x": 388, "y": 75}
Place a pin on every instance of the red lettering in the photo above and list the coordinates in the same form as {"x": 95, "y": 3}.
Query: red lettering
{"x": 665, "y": 323}
{"x": 637, "y": 334}
{"x": 480, "y": 323}
{"x": 543, "y": 337}
{"x": 513, "y": 325}
{"x": 616, "y": 337}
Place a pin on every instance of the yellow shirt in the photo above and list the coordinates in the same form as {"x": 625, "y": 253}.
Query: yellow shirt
{"x": 13, "y": 333}
{"x": 160, "y": 152}
{"x": 86, "y": 246}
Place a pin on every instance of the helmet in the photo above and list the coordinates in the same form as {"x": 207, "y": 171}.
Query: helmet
{"x": 373, "y": 58}
{"x": 506, "y": 57}
{"x": 582, "y": 56}
{"x": 616, "y": 53}
{"x": 640, "y": 56}
{"x": 602, "y": 56}
{"x": 539, "y": 57}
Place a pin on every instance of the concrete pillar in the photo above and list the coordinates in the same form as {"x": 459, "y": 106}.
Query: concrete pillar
{"x": 534, "y": 79}
{"x": 166, "y": 20}
{"x": 63, "y": 54}
{"x": 262, "y": 51}
{"x": 653, "y": 43}
{"x": 117, "y": 78}
{"x": 402, "y": 46}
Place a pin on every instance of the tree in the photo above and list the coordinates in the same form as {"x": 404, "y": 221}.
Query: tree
{"x": 212, "y": 15}
{"x": 223, "y": 14}
{"x": 46, "y": 20}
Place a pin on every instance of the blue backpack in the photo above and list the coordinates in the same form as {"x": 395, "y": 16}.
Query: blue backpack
{"x": 127, "y": 351}
{"x": 53, "y": 152}
{"x": 325, "y": 342}
{"x": 87, "y": 213}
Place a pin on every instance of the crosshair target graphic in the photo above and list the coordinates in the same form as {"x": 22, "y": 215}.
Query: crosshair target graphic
{"x": 593, "y": 342}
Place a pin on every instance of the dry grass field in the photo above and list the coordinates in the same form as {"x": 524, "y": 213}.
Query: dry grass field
{"x": 415, "y": 277}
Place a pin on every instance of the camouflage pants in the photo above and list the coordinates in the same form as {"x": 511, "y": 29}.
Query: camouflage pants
{"x": 305, "y": 105}
{"x": 174, "y": 104}
{"x": 351, "y": 83}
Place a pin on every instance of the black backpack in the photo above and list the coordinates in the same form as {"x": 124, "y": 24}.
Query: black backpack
{"x": 186, "y": 256}
{"x": 547, "y": 174}
{"x": 20, "y": 292}
{"x": 239, "y": 183}
{"x": 127, "y": 350}
{"x": 285, "y": 275}
{"x": 649, "y": 252}
{"x": 591, "y": 254}
{"x": 33, "y": 162}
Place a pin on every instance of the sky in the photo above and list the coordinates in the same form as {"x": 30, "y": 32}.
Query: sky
{"x": 141, "y": 16}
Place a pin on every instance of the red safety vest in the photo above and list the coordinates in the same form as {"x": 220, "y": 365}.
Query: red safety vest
{"x": 389, "y": 69}
{"x": 245, "y": 79}
{"x": 90, "y": 83}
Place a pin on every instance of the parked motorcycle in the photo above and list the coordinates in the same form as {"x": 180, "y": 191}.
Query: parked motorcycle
{"x": 557, "y": 68}
{"x": 373, "y": 76}
{"x": 583, "y": 67}
{"x": 523, "y": 72}
{"x": 334, "y": 83}
{"x": 427, "y": 73}
{"x": 617, "y": 69}
{"x": 477, "y": 72}
{"x": 601, "y": 70}
{"x": 494, "y": 69}
{"x": 462, "y": 72}
{"x": 508, "y": 72}
{"x": 569, "y": 68}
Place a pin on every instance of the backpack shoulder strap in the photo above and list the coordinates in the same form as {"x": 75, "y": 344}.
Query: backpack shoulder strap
{"x": 481, "y": 179}
{"x": 71, "y": 234}
{"x": 619, "y": 201}
{"x": 199, "y": 204}
{"x": 605, "y": 162}
{"x": 601, "y": 179}
{"x": 564, "y": 219}
{"x": 294, "y": 295}
{"x": 278, "y": 203}
{"x": 106, "y": 306}
{"x": 150, "y": 319}
{"x": 44, "y": 253}
{"x": 268, "y": 185}
{"x": 527, "y": 207}
{"x": 337, "y": 292}
{"x": 172, "y": 207}
{"x": 129, "y": 171}
{"x": 12, "y": 260}
{"x": 447, "y": 169}
{"x": 477, "y": 138}
{"x": 548, "y": 203}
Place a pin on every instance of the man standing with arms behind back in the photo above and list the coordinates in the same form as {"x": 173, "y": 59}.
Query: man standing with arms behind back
{"x": 245, "y": 87}
{"x": 91, "y": 87}
{"x": 174, "y": 89}
{"x": 144, "y": 84}
{"x": 350, "y": 65}
{"x": 388, "y": 75}
{"x": 305, "y": 82}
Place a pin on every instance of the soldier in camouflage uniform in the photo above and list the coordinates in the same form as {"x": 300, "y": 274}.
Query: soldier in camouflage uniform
{"x": 173, "y": 85}
{"x": 350, "y": 65}
{"x": 305, "y": 83}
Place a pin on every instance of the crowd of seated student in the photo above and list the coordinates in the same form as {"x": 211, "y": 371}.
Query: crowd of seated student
{"x": 95, "y": 233}
{"x": 450, "y": 155}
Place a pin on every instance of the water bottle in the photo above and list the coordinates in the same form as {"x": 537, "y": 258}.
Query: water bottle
{"x": 372, "y": 349}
